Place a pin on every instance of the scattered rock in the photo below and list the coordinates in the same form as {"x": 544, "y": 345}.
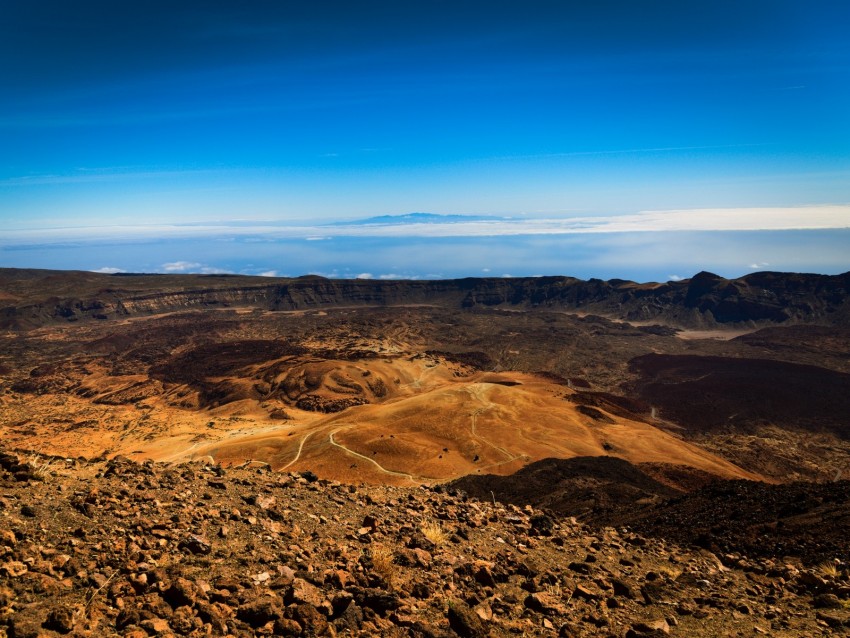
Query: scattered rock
{"x": 143, "y": 565}
{"x": 196, "y": 544}
{"x": 826, "y": 601}
{"x": 545, "y": 603}
{"x": 649, "y": 629}
{"x": 260, "y": 611}
{"x": 60, "y": 619}
{"x": 464, "y": 622}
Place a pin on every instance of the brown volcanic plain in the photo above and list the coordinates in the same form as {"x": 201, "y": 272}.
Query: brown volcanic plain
{"x": 423, "y": 382}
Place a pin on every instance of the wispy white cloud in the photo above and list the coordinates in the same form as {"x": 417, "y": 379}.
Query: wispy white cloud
{"x": 643, "y": 256}
{"x": 365, "y": 275}
{"x": 108, "y": 270}
{"x": 714, "y": 219}
{"x": 694, "y": 220}
{"x": 181, "y": 266}
{"x": 193, "y": 267}
{"x": 674, "y": 278}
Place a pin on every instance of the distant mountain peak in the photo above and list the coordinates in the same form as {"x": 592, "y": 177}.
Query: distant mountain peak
{"x": 705, "y": 275}
{"x": 419, "y": 218}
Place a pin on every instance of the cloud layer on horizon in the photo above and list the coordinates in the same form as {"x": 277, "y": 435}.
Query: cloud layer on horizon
{"x": 716, "y": 219}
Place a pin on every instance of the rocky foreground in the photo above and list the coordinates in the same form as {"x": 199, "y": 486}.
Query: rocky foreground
{"x": 114, "y": 548}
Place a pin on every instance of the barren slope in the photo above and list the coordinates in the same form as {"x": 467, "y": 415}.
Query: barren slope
{"x": 426, "y": 381}
{"x": 351, "y": 395}
{"x": 477, "y": 424}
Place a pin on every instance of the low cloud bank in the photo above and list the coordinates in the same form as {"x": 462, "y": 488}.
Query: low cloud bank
{"x": 707, "y": 219}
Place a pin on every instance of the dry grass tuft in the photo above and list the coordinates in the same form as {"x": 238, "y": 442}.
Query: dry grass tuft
{"x": 383, "y": 564}
{"x": 434, "y": 532}
{"x": 670, "y": 572}
{"x": 40, "y": 468}
{"x": 828, "y": 568}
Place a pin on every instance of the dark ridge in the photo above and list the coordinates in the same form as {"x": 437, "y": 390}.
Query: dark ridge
{"x": 807, "y": 520}
{"x": 136, "y": 274}
{"x": 723, "y": 393}
{"x": 220, "y": 359}
{"x": 572, "y": 382}
{"x": 816, "y": 340}
{"x": 706, "y": 300}
{"x": 554, "y": 377}
{"x": 572, "y": 487}
{"x": 680, "y": 477}
{"x": 595, "y": 414}
{"x": 625, "y": 407}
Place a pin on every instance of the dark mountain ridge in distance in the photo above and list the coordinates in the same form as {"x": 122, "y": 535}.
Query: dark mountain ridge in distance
{"x": 30, "y": 298}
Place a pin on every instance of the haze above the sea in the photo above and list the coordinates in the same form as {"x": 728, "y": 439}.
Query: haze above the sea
{"x": 607, "y": 139}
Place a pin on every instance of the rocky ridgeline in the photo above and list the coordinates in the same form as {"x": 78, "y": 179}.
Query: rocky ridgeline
{"x": 704, "y": 300}
{"x": 106, "y": 548}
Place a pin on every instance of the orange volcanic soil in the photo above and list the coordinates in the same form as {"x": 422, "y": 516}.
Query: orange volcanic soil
{"x": 392, "y": 419}
{"x": 494, "y": 423}
{"x": 353, "y": 395}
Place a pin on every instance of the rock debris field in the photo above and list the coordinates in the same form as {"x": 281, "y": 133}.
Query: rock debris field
{"x": 117, "y": 548}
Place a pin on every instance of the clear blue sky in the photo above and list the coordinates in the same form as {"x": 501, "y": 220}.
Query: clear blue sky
{"x": 173, "y": 112}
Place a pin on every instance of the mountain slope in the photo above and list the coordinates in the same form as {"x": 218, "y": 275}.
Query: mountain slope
{"x": 32, "y": 298}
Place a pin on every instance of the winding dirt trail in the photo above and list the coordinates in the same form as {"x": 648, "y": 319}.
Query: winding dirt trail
{"x": 300, "y": 449}
{"x": 476, "y": 391}
{"x": 177, "y": 456}
{"x": 411, "y": 477}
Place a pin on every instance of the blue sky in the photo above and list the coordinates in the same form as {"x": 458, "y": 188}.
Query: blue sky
{"x": 125, "y": 121}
